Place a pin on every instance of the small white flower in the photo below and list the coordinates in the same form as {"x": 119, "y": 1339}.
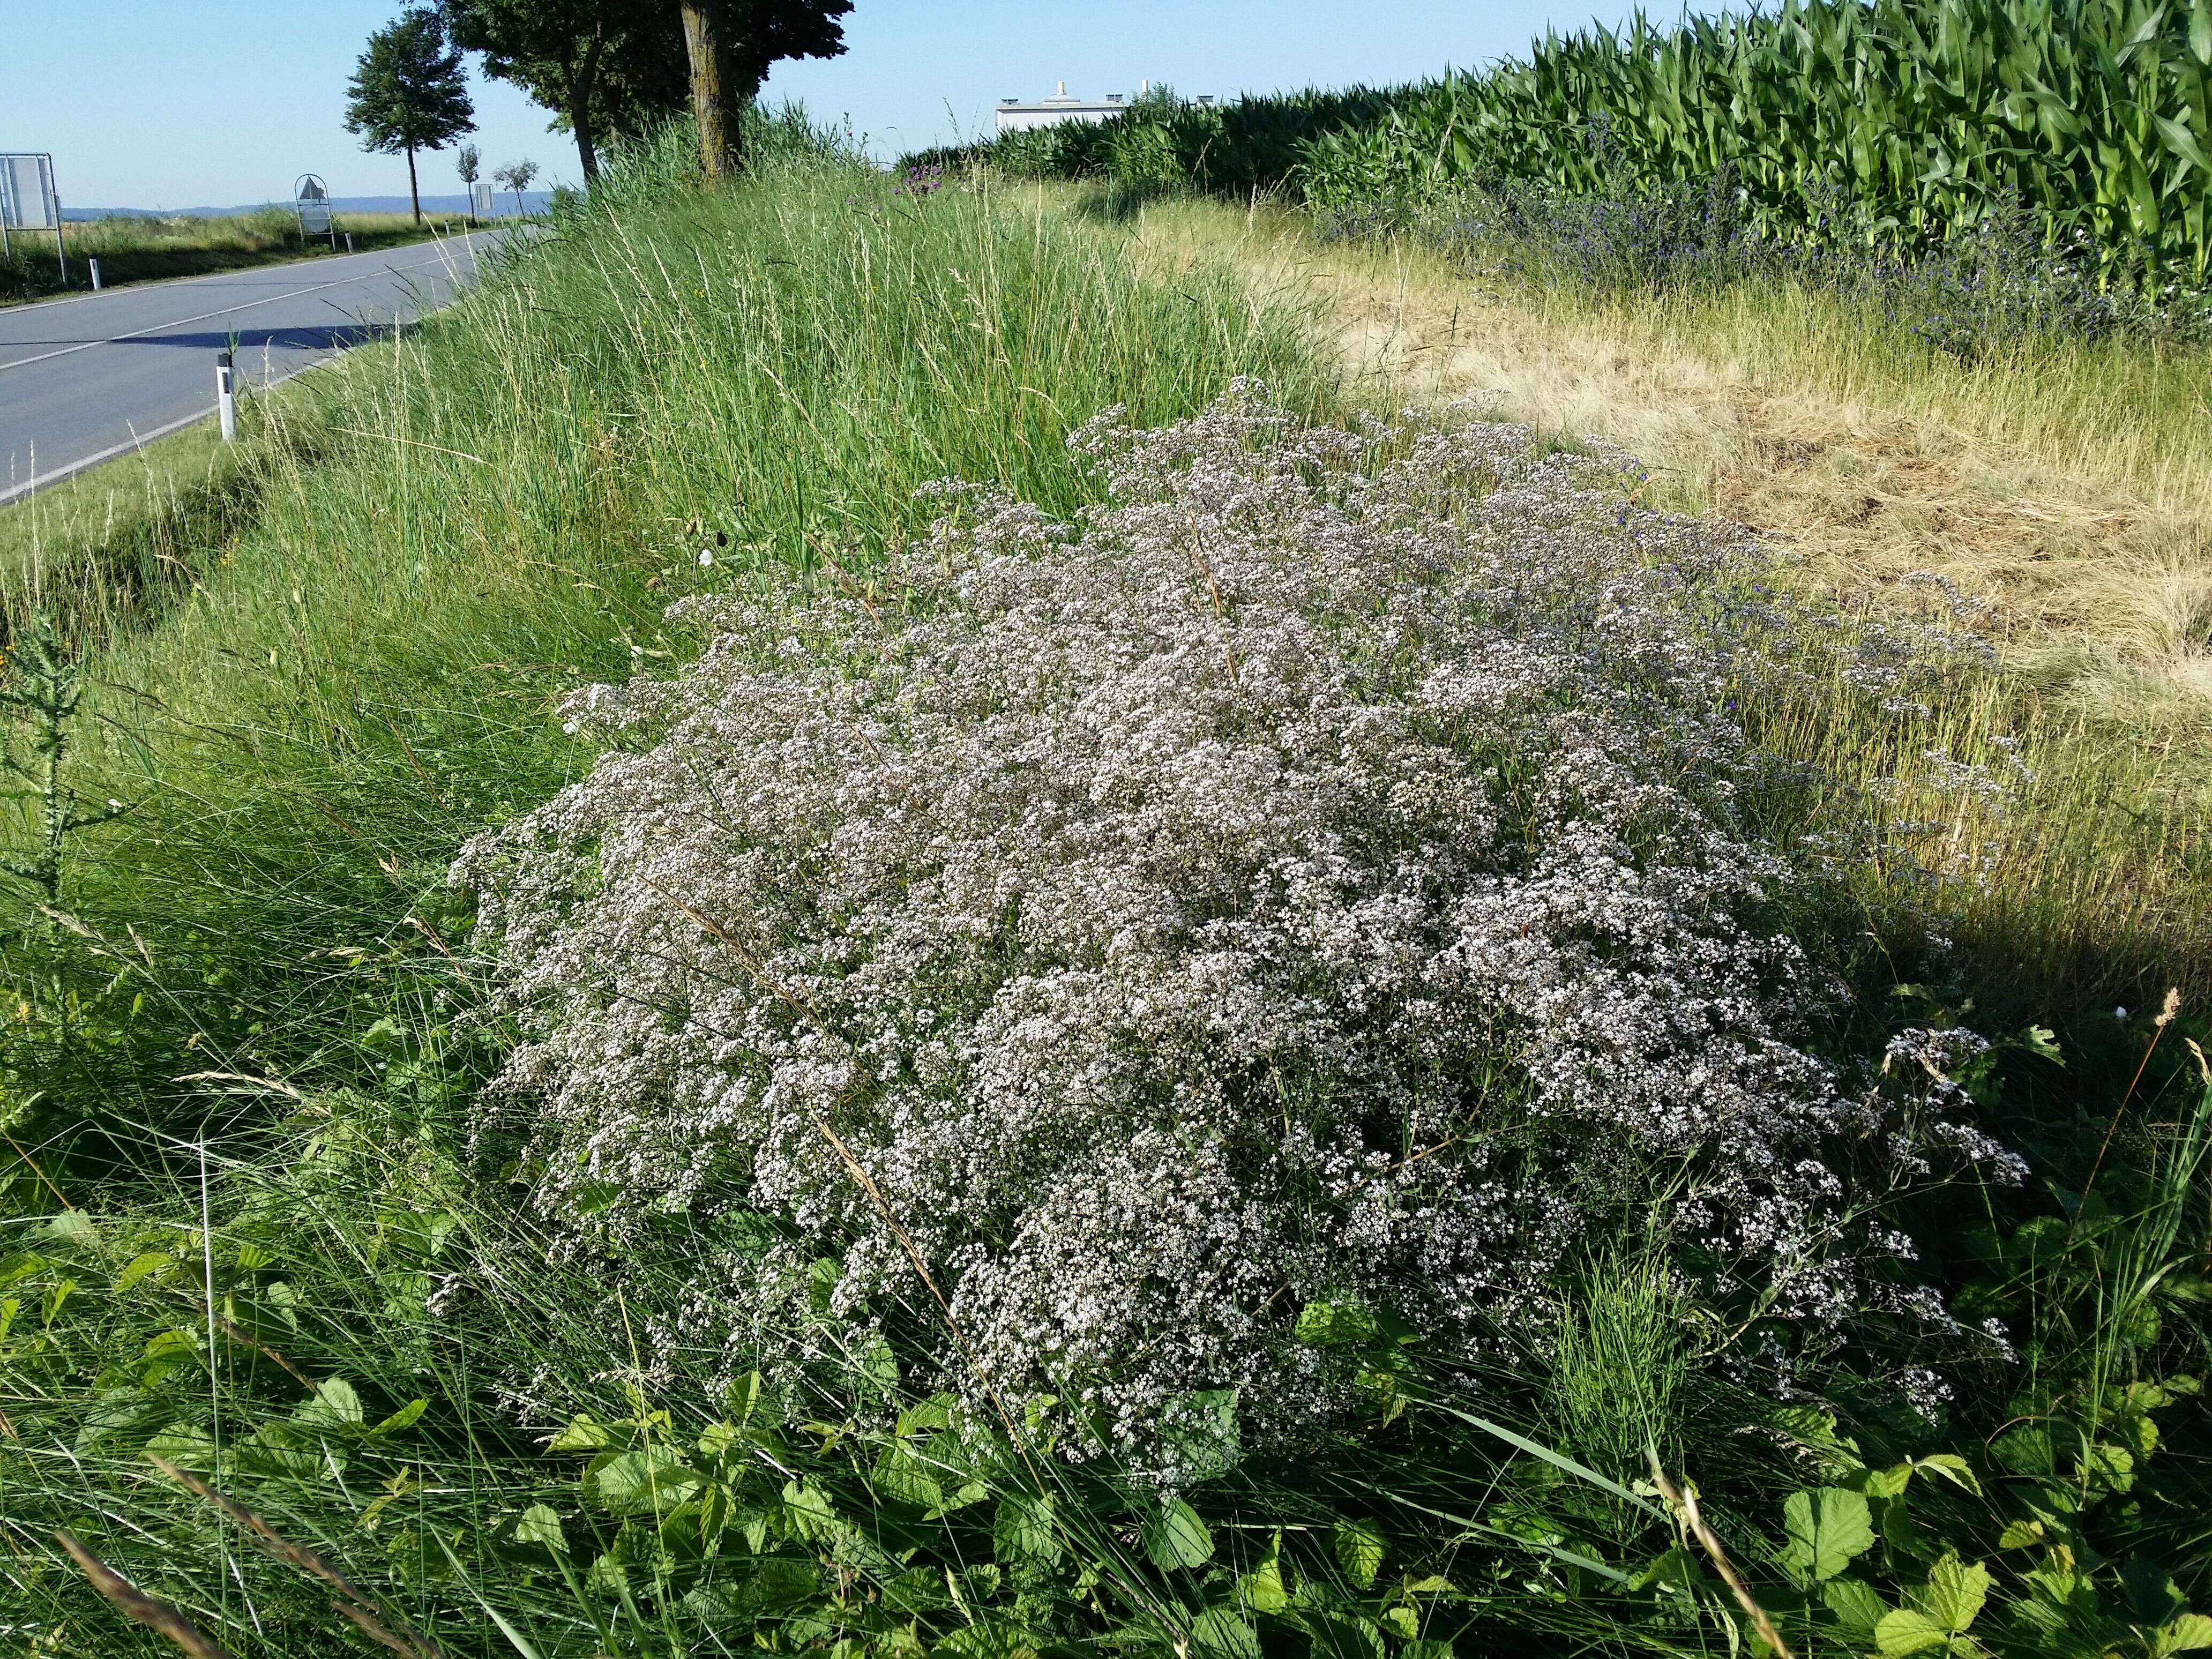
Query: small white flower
{"x": 706, "y": 557}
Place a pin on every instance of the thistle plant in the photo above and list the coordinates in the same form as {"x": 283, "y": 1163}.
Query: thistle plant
{"x": 45, "y": 687}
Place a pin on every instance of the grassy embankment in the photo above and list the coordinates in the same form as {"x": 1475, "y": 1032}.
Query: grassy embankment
{"x": 260, "y": 958}
{"x": 135, "y": 250}
{"x": 308, "y": 715}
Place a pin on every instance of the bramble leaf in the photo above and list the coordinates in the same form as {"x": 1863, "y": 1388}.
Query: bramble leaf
{"x": 1358, "y": 1549}
{"x": 1175, "y": 1537}
{"x": 1826, "y": 1528}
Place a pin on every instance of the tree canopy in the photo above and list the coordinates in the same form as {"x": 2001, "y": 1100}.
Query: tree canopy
{"x": 407, "y": 92}
{"x": 609, "y": 68}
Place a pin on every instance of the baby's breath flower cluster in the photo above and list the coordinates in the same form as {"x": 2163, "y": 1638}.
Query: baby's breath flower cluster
{"x": 1320, "y": 874}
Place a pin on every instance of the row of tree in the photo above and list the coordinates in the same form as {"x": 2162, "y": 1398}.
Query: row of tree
{"x": 607, "y": 69}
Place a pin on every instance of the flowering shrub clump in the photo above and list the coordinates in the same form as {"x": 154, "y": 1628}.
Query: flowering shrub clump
{"x": 1320, "y": 880}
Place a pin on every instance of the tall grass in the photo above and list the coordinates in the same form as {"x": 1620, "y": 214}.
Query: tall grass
{"x": 258, "y": 967}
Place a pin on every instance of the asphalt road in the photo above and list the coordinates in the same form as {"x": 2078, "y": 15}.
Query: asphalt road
{"x": 94, "y": 376}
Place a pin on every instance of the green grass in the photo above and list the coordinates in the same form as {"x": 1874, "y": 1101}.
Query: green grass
{"x": 314, "y": 664}
{"x": 131, "y": 249}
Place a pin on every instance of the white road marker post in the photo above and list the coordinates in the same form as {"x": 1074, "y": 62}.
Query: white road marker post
{"x": 226, "y": 398}
{"x": 348, "y": 236}
{"x": 94, "y": 263}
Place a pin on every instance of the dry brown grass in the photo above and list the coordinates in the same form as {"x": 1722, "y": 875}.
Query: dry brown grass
{"x": 2072, "y": 491}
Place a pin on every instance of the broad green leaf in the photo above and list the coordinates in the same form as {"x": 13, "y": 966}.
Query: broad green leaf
{"x": 1905, "y": 1632}
{"x": 1953, "y": 1467}
{"x": 584, "y": 1434}
{"x": 2021, "y": 1535}
{"x": 1826, "y": 1529}
{"x": 187, "y": 1446}
{"x": 744, "y": 1396}
{"x": 1335, "y": 1324}
{"x": 1401, "y": 1621}
{"x": 1426, "y": 1647}
{"x": 335, "y": 1406}
{"x": 1358, "y": 1549}
{"x": 1858, "y": 1608}
{"x": 2187, "y": 1633}
{"x": 1175, "y": 1537}
{"x": 144, "y": 1267}
{"x": 651, "y": 1479}
{"x": 1219, "y": 1633}
{"x": 1262, "y": 1588}
{"x": 807, "y": 1511}
{"x": 1024, "y": 1531}
{"x": 900, "y": 1477}
{"x": 538, "y": 1524}
{"x": 1954, "y": 1594}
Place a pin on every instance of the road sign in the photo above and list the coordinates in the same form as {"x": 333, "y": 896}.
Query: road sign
{"x": 480, "y": 198}
{"x": 28, "y": 201}
{"x": 311, "y": 200}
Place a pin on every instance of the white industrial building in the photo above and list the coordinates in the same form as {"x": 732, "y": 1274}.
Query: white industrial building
{"x": 1015, "y": 116}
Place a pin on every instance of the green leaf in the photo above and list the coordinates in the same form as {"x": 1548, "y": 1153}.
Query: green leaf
{"x": 651, "y": 1479}
{"x": 1826, "y": 1529}
{"x": 1335, "y": 1324}
{"x": 584, "y": 1434}
{"x": 1175, "y": 1537}
{"x": 335, "y": 1406}
{"x": 1219, "y": 1633}
{"x": 403, "y": 1419}
{"x": 744, "y": 1395}
{"x": 2187, "y": 1633}
{"x": 1954, "y": 1594}
{"x": 1262, "y": 1588}
{"x": 1905, "y": 1632}
{"x": 142, "y": 1267}
{"x": 900, "y": 1477}
{"x": 1953, "y": 1467}
{"x": 1358, "y": 1550}
{"x": 2021, "y": 1535}
{"x": 539, "y": 1525}
{"x": 807, "y": 1511}
{"x": 1858, "y": 1608}
{"x": 1427, "y": 1647}
{"x": 1024, "y": 1531}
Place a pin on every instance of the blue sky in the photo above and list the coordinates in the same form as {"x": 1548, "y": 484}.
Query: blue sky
{"x": 185, "y": 103}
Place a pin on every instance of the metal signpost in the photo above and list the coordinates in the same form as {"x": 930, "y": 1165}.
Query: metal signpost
{"x": 29, "y": 201}
{"x": 311, "y": 200}
{"x": 480, "y": 198}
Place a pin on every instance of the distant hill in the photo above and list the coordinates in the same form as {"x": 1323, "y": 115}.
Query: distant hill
{"x": 535, "y": 201}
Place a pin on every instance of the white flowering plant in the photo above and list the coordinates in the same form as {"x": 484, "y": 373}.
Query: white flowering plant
{"x": 1324, "y": 881}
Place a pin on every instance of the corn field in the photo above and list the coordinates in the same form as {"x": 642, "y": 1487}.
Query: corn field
{"x": 1898, "y": 124}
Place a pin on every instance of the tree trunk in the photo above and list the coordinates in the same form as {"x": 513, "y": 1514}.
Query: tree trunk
{"x": 579, "y": 109}
{"x": 414, "y": 191}
{"x": 713, "y": 98}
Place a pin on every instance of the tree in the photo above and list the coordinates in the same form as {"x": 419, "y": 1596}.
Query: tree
{"x": 465, "y": 163}
{"x": 731, "y": 45}
{"x": 408, "y": 93}
{"x": 610, "y": 67}
{"x": 605, "y": 68}
{"x": 516, "y": 176}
